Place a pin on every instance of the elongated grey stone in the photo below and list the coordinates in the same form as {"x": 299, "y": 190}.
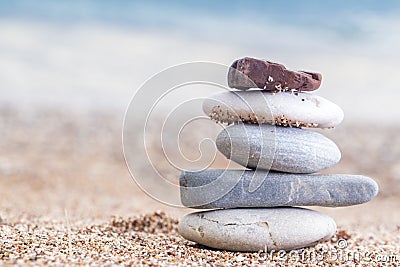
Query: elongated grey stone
{"x": 275, "y": 189}
{"x": 257, "y": 229}
{"x": 278, "y": 148}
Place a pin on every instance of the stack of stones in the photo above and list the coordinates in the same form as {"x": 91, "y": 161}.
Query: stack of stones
{"x": 256, "y": 209}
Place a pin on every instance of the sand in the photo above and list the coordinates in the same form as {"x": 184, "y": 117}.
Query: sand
{"x": 67, "y": 198}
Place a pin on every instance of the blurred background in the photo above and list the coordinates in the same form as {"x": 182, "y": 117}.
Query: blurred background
{"x": 68, "y": 70}
{"x": 95, "y": 54}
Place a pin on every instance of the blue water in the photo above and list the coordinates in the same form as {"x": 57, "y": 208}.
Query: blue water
{"x": 331, "y": 14}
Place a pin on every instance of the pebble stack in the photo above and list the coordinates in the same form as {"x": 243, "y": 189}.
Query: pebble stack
{"x": 269, "y": 132}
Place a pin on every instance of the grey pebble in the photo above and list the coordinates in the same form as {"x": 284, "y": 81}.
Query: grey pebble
{"x": 257, "y": 229}
{"x": 278, "y": 148}
{"x": 244, "y": 188}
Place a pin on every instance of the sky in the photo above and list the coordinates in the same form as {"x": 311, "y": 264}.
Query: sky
{"x": 96, "y": 54}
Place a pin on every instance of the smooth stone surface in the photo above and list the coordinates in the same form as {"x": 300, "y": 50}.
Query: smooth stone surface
{"x": 275, "y": 189}
{"x": 257, "y": 229}
{"x": 278, "y": 148}
{"x": 284, "y": 109}
{"x": 249, "y": 72}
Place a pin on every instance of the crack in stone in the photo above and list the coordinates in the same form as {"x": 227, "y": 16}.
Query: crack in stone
{"x": 201, "y": 216}
{"x": 270, "y": 234}
{"x": 229, "y": 224}
{"x": 200, "y": 229}
{"x": 191, "y": 227}
{"x": 240, "y": 224}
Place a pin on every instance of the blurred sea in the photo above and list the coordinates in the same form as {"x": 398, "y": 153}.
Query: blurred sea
{"x": 96, "y": 54}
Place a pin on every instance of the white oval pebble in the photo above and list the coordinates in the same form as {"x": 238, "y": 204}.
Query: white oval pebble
{"x": 257, "y": 229}
{"x": 296, "y": 109}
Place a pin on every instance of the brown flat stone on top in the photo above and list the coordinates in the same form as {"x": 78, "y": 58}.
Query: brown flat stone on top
{"x": 249, "y": 72}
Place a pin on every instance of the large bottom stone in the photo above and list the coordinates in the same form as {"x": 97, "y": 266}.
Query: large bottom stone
{"x": 233, "y": 189}
{"x": 257, "y": 228}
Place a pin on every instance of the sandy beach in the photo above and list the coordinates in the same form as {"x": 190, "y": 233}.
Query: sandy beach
{"x": 69, "y": 70}
{"x": 67, "y": 198}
